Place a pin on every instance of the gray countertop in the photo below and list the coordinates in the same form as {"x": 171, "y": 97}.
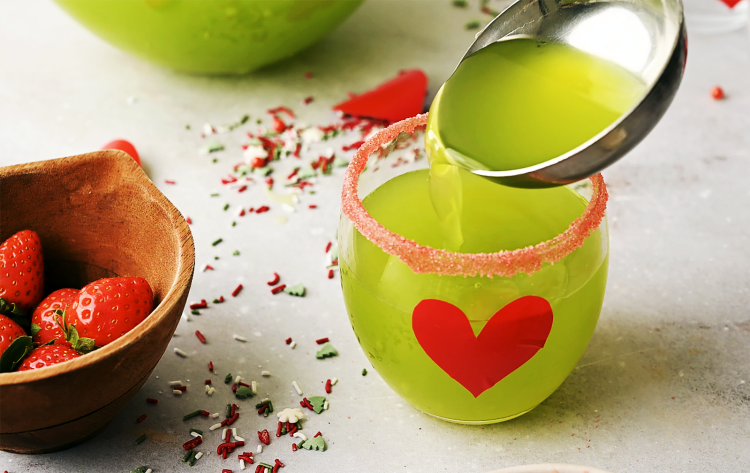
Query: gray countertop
{"x": 664, "y": 385}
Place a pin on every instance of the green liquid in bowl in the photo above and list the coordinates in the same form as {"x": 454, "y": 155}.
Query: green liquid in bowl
{"x": 211, "y": 36}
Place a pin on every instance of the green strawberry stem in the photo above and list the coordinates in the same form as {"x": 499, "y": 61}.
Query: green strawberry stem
{"x": 14, "y": 313}
{"x": 79, "y": 344}
{"x": 15, "y": 353}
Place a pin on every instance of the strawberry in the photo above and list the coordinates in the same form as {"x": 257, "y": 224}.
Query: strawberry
{"x": 46, "y": 316}
{"x": 47, "y": 355}
{"x": 9, "y": 331}
{"x": 22, "y": 270}
{"x": 109, "y": 308}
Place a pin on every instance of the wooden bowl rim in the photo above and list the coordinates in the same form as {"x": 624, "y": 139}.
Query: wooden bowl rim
{"x": 185, "y": 268}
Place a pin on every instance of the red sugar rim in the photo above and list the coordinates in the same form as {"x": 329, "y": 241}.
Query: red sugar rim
{"x": 423, "y": 259}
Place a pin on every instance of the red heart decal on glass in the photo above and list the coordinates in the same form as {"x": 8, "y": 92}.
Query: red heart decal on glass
{"x": 509, "y": 339}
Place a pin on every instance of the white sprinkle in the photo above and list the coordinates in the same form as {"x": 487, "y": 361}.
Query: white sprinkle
{"x": 237, "y": 379}
{"x": 175, "y": 383}
{"x": 195, "y": 434}
{"x": 297, "y": 388}
{"x": 300, "y": 435}
{"x": 237, "y": 438}
{"x": 198, "y": 455}
{"x": 240, "y": 338}
{"x": 293, "y": 344}
{"x": 242, "y": 464}
{"x": 265, "y": 373}
{"x": 325, "y": 406}
{"x": 224, "y": 433}
{"x": 177, "y": 391}
{"x": 234, "y": 431}
{"x": 180, "y": 352}
{"x": 288, "y": 208}
{"x": 260, "y": 448}
{"x": 254, "y": 387}
{"x": 149, "y": 470}
{"x": 215, "y": 426}
{"x": 207, "y": 388}
{"x": 208, "y": 129}
{"x": 211, "y": 391}
{"x": 214, "y": 415}
{"x": 334, "y": 381}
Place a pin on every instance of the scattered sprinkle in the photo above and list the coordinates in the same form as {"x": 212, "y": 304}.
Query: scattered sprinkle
{"x": 297, "y": 388}
{"x": 236, "y": 290}
{"x": 717, "y": 93}
{"x": 140, "y": 439}
{"x": 321, "y": 341}
{"x": 200, "y": 336}
{"x": 265, "y": 373}
{"x": 364, "y": 371}
{"x": 472, "y": 25}
{"x": 180, "y": 352}
{"x": 240, "y": 338}
{"x": 278, "y": 289}
{"x": 292, "y": 345}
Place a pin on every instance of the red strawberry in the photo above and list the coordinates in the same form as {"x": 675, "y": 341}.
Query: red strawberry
{"x": 46, "y": 316}
{"x": 110, "y": 307}
{"x": 22, "y": 270}
{"x": 47, "y": 355}
{"x": 9, "y": 331}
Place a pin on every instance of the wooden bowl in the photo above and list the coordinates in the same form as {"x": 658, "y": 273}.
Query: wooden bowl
{"x": 97, "y": 215}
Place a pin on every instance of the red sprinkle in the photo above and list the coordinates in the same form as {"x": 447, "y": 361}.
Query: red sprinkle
{"x": 312, "y": 206}
{"x": 258, "y": 469}
{"x": 227, "y": 435}
{"x": 237, "y": 290}
{"x": 308, "y": 75}
{"x": 209, "y": 267}
{"x": 151, "y": 400}
{"x": 292, "y": 430}
{"x": 170, "y": 182}
{"x": 308, "y": 100}
{"x": 242, "y": 212}
{"x": 226, "y": 471}
{"x": 190, "y": 444}
{"x": 330, "y": 274}
{"x": 275, "y": 281}
{"x": 210, "y": 366}
{"x": 262, "y": 409}
{"x": 261, "y": 209}
{"x": 352, "y": 146}
{"x": 278, "y": 430}
{"x": 717, "y": 93}
{"x": 278, "y": 289}
{"x": 189, "y": 221}
{"x": 242, "y": 189}
{"x": 317, "y": 435}
{"x": 234, "y": 388}
{"x": 321, "y": 341}
{"x": 289, "y": 341}
{"x": 233, "y": 418}
{"x": 181, "y": 388}
{"x": 199, "y": 305}
{"x": 200, "y": 336}
{"x": 141, "y": 418}
{"x": 328, "y": 246}
{"x": 232, "y": 410}
{"x": 205, "y": 413}
{"x": 294, "y": 447}
{"x": 328, "y": 386}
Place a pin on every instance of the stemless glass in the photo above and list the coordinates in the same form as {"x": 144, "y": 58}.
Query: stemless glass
{"x": 469, "y": 338}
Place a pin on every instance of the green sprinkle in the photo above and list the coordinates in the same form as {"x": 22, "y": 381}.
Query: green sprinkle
{"x": 460, "y": 3}
{"x": 326, "y": 351}
{"x": 266, "y": 465}
{"x": 268, "y": 411}
{"x": 264, "y": 171}
{"x": 244, "y": 119}
{"x": 472, "y": 25}
{"x": 258, "y": 121}
{"x": 315, "y": 443}
{"x": 216, "y": 257}
{"x": 192, "y": 459}
{"x": 191, "y": 415}
{"x": 187, "y": 456}
{"x": 140, "y": 439}
{"x": 216, "y": 301}
{"x": 339, "y": 162}
{"x": 199, "y": 432}
{"x": 187, "y": 127}
{"x": 195, "y": 312}
{"x": 228, "y": 378}
{"x": 216, "y": 242}
{"x": 263, "y": 403}
{"x": 215, "y": 160}
{"x": 226, "y": 207}
{"x": 236, "y": 253}
{"x": 215, "y": 194}
{"x": 296, "y": 290}
{"x": 364, "y": 371}
{"x": 212, "y": 147}
{"x": 318, "y": 402}
{"x": 140, "y": 469}
{"x": 243, "y": 392}
{"x": 229, "y": 411}
{"x": 234, "y": 223}
{"x": 311, "y": 192}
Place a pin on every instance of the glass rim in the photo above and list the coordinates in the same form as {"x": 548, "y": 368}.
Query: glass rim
{"x": 424, "y": 259}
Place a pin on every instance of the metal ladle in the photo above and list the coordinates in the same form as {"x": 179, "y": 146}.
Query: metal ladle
{"x": 646, "y": 37}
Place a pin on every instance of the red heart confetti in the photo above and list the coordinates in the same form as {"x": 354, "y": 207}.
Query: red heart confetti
{"x": 395, "y": 100}
{"x": 731, "y": 3}
{"x": 509, "y": 339}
